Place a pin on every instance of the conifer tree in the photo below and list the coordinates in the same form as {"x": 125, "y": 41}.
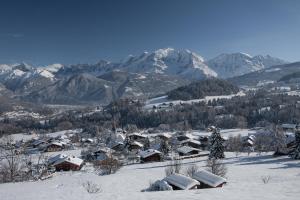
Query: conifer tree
{"x": 216, "y": 145}
{"x": 296, "y": 152}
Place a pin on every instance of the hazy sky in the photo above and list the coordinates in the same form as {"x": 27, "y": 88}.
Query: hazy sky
{"x": 84, "y": 31}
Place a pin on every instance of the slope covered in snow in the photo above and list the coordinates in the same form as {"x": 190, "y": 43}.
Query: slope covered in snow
{"x": 244, "y": 182}
{"x": 236, "y": 64}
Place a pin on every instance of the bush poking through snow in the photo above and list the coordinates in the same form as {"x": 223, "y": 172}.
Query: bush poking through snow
{"x": 191, "y": 170}
{"x": 158, "y": 185}
{"x": 265, "y": 179}
{"x": 91, "y": 187}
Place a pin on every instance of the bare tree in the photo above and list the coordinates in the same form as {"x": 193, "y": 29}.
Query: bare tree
{"x": 216, "y": 167}
{"x": 11, "y": 164}
{"x": 174, "y": 167}
{"x": 108, "y": 166}
{"x": 191, "y": 170}
{"x": 235, "y": 144}
{"x": 91, "y": 187}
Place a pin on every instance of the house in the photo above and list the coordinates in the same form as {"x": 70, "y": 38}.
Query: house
{"x": 186, "y": 151}
{"x": 289, "y": 127}
{"x": 136, "y": 137}
{"x": 135, "y": 146}
{"x": 55, "y": 146}
{"x": 69, "y": 163}
{"x": 117, "y": 146}
{"x": 150, "y": 155}
{"x": 163, "y": 136}
{"x": 181, "y": 182}
{"x": 182, "y": 137}
{"x": 191, "y": 143}
{"x": 55, "y": 158}
{"x": 208, "y": 180}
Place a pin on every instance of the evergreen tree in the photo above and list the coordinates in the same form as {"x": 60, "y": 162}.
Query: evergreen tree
{"x": 296, "y": 152}
{"x": 216, "y": 145}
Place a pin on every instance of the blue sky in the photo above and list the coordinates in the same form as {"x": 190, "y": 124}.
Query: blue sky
{"x": 85, "y": 31}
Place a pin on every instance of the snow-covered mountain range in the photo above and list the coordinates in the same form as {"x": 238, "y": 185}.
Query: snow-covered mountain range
{"x": 165, "y": 69}
{"x": 237, "y": 64}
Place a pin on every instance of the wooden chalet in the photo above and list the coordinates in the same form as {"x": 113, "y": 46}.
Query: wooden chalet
{"x": 150, "y": 155}
{"x": 187, "y": 151}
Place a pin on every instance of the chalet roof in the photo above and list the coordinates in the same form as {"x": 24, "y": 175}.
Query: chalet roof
{"x": 57, "y": 144}
{"x": 137, "y": 134}
{"x": 208, "y": 178}
{"x": 55, "y": 158}
{"x": 137, "y": 143}
{"x": 185, "y": 135}
{"x": 186, "y": 149}
{"x": 149, "y": 152}
{"x": 104, "y": 150}
{"x": 289, "y": 126}
{"x": 166, "y": 135}
{"x": 181, "y": 181}
{"x": 191, "y": 141}
{"x": 70, "y": 159}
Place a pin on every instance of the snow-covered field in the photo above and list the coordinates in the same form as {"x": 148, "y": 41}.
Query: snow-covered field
{"x": 244, "y": 182}
{"x": 164, "y": 99}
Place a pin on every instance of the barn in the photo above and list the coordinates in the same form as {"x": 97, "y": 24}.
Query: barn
{"x": 208, "y": 180}
{"x": 150, "y": 155}
{"x": 135, "y": 146}
{"x": 181, "y": 182}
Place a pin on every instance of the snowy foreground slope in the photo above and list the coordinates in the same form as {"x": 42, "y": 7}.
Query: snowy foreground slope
{"x": 244, "y": 182}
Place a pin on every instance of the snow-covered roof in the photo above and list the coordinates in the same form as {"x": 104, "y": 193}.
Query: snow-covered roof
{"x": 166, "y": 135}
{"x": 186, "y": 149}
{"x": 191, "y": 141}
{"x": 149, "y": 152}
{"x": 208, "y": 178}
{"x": 181, "y": 181}
{"x": 57, "y": 144}
{"x": 289, "y": 126}
{"x": 105, "y": 150}
{"x": 55, "y": 158}
{"x": 137, "y": 143}
{"x": 70, "y": 159}
{"x": 137, "y": 134}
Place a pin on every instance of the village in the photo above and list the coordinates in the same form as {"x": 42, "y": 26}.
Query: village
{"x": 75, "y": 150}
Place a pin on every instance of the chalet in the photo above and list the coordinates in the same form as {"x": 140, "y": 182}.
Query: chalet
{"x": 191, "y": 143}
{"x": 289, "y": 127}
{"x": 55, "y": 146}
{"x": 37, "y": 143}
{"x": 136, "y": 137}
{"x": 204, "y": 140}
{"x": 186, "y": 151}
{"x": 150, "y": 155}
{"x": 69, "y": 163}
{"x": 163, "y": 136}
{"x": 118, "y": 146}
{"x": 135, "y": 146}
{"x": 182, "y": 137}
{"x": 181, "y": 182}
{"x": 208, "y": 180}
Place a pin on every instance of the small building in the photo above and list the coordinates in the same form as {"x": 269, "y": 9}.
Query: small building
{"x": 136, "y": 137}
{"x": 54, "y": 146}
{"x": 150, "y": 155}
{"x": 191, "y": 143}
{"x": 55, "y": 158}
{"x": 163, "y": 136}
{"x": 181, "y": 182}
{"x": 186, "y": 151}
{"x": 184, "y": 137}
{"x": 69, "y": 163}
{"x": 117, "y": 146}
{"x": 208, "y": 180}
{"x": 135, "y": 145}
{"x": 289, "y": 127}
